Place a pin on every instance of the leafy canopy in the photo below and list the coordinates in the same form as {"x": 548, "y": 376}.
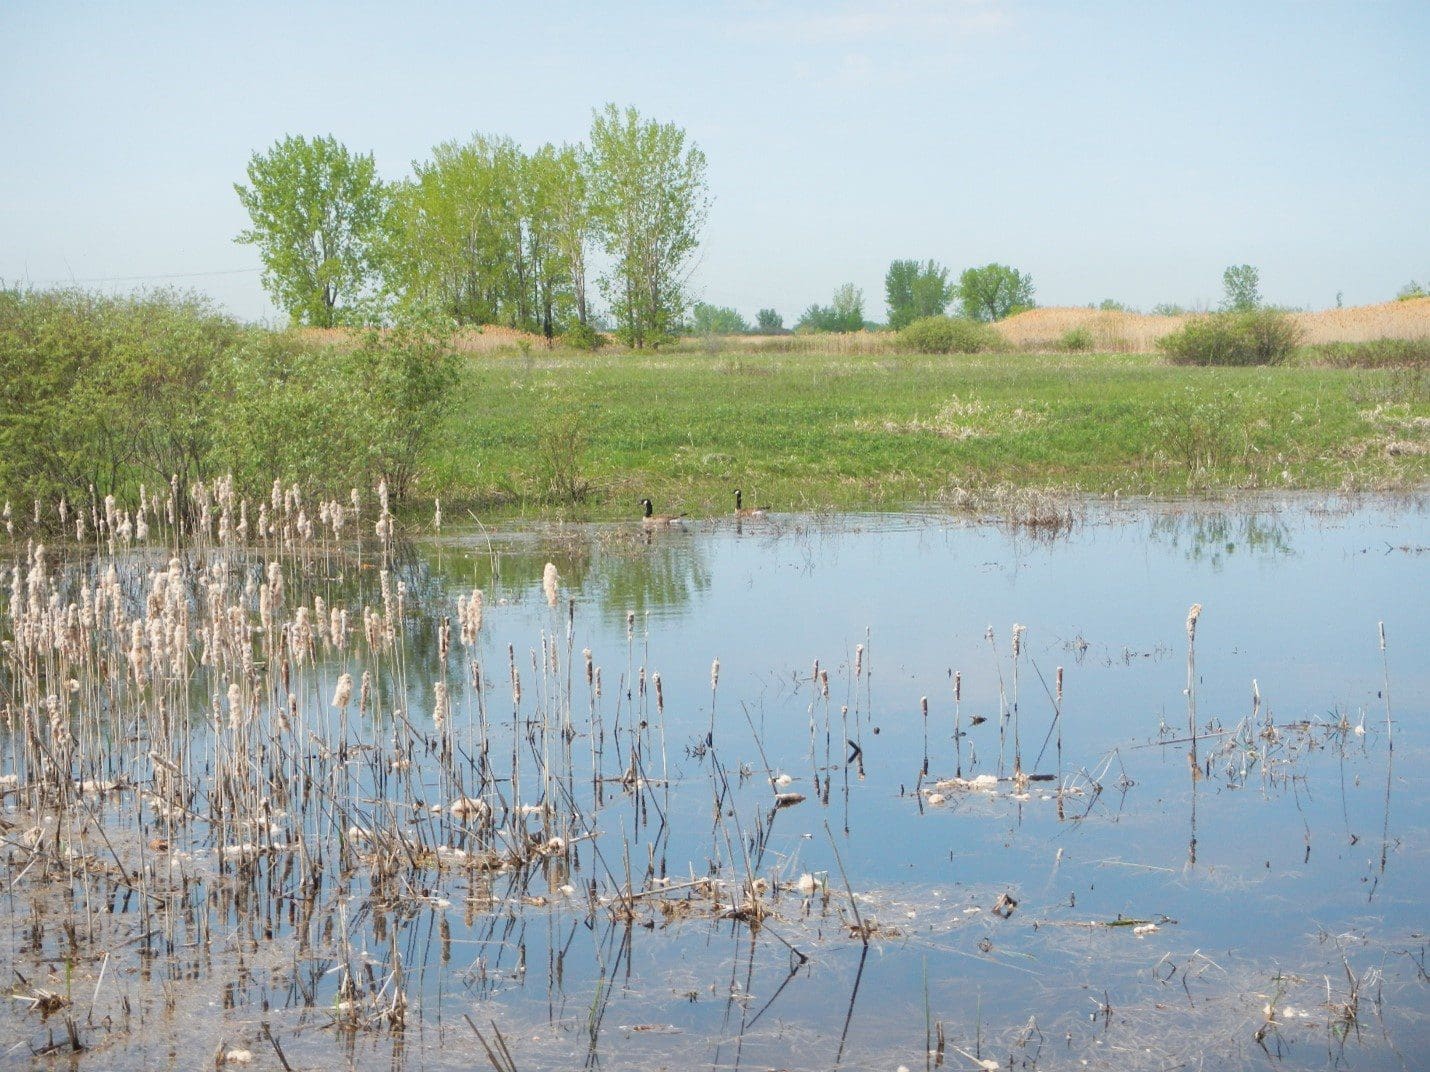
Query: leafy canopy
{"x": 994, "y": 291}
{"x": 1241, "y": 284}
{"x": 317, "y": 212}
{"x": 913, "y": 291}
{"x": 649, "y": 200}
{"x": 845, "y": 314}
{"x": 769, "y": 321}
{"x": 716, "y": 320}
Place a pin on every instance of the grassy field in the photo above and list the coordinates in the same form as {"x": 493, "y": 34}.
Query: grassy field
{"x": 589, "y": 435}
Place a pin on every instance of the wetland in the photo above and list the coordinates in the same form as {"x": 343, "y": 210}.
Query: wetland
{"x": 1144, "y": 788}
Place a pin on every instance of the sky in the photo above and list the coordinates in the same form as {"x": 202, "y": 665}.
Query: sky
{"x": 1110, "y": 150}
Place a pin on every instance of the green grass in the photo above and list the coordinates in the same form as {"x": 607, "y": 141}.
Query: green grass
{"x": 811, "y": 431}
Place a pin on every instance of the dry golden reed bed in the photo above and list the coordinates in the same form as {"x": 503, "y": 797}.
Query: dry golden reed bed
{"x": 1039, "y": 329}
{"x": 1036, "y": 329}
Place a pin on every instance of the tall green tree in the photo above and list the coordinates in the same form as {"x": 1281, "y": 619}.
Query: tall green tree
{"x": 1241, "y": 286}
{"x": 846, "y": 313}
{"x": 649, "y": 199}
{"x": 993, "y": 291}
{"x": 914, "y": 290}
{"x": 572, "y": 223}
{"x": 456, "y": 239}
{"x": 316, "y": 212}
{"x": 706, "y": 319}
{"x": 544, "y": 194}
{"x": 769, "y": 321}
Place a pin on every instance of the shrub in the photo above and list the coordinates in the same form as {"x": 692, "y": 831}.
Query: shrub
{"x": 949, "y": 335}
{"x": 99, "y": 394}
{"x": 1076, "y": 339}
{"x": 1253, "y": 337}
{"x": 1375, "y": 353}
{"x": 584, "y": 337}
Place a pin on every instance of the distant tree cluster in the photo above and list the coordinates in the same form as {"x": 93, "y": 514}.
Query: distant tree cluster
{"x": 914, "y": 291}
{"x": 844, "y": 313}
{"x": 483, "y": 232}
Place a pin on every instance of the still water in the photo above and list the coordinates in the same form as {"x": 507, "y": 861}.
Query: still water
{"x": 856, "y": 823}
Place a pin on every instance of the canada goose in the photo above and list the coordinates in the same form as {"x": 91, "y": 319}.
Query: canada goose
{"x": 652, "y": 520}
{"x": 740, "y": 511}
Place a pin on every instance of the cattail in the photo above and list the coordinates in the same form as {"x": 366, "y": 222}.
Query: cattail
{"x": 659, "y": 693}
{"x": 858, "y": 660}
{"x": 235, "y": 698}
{"x": 630, "y": 625}
{"x": 714, "y": 675}
{"x": 444, "y": 639}
{"x": 958, "y": 686}
{"x": 437, "y": 516}
{"x": 590, "y": 666}
{"x": 440, "y": 709}
{"x": 1192, "y": 616}
{"x": 598, "y": 683}
{"x": 365, "y": 693}
{"x": 1018, "y": 631}
{"x": 1060, "y": 684}
{"x": 343, "y": 694}
{"x": 549, "y": 583}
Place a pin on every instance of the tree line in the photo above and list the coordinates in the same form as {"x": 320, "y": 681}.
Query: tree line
{"x": 913, "y": 290}
{"x": 484, "y": 232}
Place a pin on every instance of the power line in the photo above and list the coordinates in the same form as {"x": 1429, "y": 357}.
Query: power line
{"x": 138, "y": 278}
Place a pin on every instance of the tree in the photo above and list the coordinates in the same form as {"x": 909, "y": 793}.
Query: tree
{"x": 716, "y": 320}
{"x": 546, "y": 196}
{"x": 993, "y": 291}
{"x": 846, "y": 314}
{"x": 769, "y": 321}
{"x": 456, "y": 239}
{"x": 571, "y": 220}
{"x": 649, "y": 199}
{"x": 1241, "y": 283}
{"x": 317, "y": 211}
{"x": 913, "y": 291}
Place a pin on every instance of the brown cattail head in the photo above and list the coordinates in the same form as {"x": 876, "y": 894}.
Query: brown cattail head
{"x": 343, "y": 694}
{"x": 1060, "y": 684}
{"x": 549, "y": 582}
{"x": 1192, "y": 615}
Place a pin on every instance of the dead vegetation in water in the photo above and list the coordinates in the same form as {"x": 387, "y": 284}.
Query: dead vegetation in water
{"x": 221, "y": 739}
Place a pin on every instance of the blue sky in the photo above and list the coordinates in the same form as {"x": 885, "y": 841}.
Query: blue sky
{"x": 1123, "y": 150}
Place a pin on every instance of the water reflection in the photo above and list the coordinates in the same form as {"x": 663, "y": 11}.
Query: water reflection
{"x": 1212, "y": 534}
{"x": 871, "y": 813}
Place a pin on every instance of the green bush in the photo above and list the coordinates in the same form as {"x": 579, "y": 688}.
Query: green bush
{"x": 100, "y": 394}
{"x": 336, "y": 416}
{"x": 1252, "y": 337}
{"x": 584, "y": 337}
{"x": 949, "y": 335}
{"x": 1375, "y": 353}
{"x": 1075, "y": 340}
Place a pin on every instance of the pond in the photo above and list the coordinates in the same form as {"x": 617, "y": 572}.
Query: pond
{"x": 1143, "y": 789}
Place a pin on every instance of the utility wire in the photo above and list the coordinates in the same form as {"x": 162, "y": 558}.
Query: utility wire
{"x": 137, "y": 278}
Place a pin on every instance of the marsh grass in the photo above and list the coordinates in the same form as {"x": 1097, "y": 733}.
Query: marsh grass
{"x": 831, "y": 431}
